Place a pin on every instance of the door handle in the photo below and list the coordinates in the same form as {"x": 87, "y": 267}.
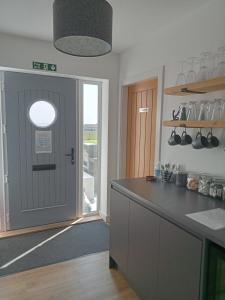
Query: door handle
{"x": 71, "y": 155}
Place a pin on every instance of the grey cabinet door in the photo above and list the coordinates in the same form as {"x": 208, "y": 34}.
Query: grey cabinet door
{"x": 179, "y": 264}
{"x": 143, "y": 251}
{"x": 119, "y": 220}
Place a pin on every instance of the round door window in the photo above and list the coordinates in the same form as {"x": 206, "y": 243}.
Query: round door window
{"x": 42, "y": 113}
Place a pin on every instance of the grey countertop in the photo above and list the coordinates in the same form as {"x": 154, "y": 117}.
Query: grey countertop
{"x": 173, "y": 203}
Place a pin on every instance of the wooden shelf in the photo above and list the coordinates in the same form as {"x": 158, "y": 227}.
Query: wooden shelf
{"x": 200, "y": 87}
{"x": 195, "y": 124}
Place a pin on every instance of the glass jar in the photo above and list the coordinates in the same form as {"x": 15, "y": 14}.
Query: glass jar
{"x": 224, "y": 192}
{"x": 193, "y": 182}
{"x": 216, "y": 188}
{"x": 204, "y": 184}
{"x": 219, "y": 190}
{"x": 212, "y": 189}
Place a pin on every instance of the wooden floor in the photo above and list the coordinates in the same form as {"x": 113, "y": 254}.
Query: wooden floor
{"x": 85, "y": 278}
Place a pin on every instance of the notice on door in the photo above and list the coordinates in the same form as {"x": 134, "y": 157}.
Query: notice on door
{"x": 43, "y": 141}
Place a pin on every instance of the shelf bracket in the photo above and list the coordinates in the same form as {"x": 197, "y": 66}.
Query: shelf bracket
{"x": 186, "y": 90}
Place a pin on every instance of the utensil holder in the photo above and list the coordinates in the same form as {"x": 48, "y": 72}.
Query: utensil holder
{"x": 166, "y": 176}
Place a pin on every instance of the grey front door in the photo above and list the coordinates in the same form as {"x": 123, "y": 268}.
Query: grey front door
{"x": 40, "y": 114}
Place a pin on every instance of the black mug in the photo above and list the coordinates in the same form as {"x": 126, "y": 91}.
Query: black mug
{"x": 200, "y": 141}
{"x": 174, "y": 139}
{"x": 213, "y": 141}
{"x": 186, "y": 139}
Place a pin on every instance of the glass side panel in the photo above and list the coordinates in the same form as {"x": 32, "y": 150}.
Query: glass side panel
{"x": 90, "y": 148}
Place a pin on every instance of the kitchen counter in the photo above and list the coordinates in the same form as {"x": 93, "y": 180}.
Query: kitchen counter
{"x": 173, "y": 203}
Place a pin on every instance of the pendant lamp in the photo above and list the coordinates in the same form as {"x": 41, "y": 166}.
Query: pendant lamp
{"x": 82, "y": 27}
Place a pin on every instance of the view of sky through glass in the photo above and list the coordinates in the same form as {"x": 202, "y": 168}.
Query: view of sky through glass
{"x": 90, "y": 103}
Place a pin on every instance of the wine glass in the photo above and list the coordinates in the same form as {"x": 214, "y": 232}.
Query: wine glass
{"x": 214, "y": 65}
{"x": 220, "y": 71}
{"x": 218, "y": 106}
{"x": 204, "y": 71}
{"x": 208, "y": 110}
{"x": 183, "y": 111}
{"x": 223, "y": 110}
{"x": 191, "y": 75}
{"x": 192, "y": 111}
{"x": 203, "y": 110}
{"x": 181, "y": 76}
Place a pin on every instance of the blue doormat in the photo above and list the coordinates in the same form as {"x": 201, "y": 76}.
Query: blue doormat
{"x": 52, "y": 246}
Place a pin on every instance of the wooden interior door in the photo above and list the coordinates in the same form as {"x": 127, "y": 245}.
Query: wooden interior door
{"x": 141, "y": 128}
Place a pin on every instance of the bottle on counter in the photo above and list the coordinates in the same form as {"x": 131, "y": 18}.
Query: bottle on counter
{"x": 157, "y": 170}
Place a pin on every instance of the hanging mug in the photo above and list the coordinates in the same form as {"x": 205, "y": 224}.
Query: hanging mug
{"x": 213, "y": 141}
{"x": 200, "y": 141}
{"x": 174, "y": 139}
{"x": 186, "y": 139}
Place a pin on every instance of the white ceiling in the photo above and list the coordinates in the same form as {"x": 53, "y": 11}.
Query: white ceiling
{"x": 133, "y": 19}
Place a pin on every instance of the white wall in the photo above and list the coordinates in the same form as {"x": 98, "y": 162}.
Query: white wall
{"x": 203, "y": 30}
{"x": 19, "y": 53}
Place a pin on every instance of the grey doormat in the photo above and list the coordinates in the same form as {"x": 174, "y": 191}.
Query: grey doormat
{"x": 52, "y": 246}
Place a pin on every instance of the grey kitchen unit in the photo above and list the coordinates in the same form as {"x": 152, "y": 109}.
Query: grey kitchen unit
{"x": 142, "y": 255}
{"x": 161, "y": 252}
{"x": 154, "y": 255}
{"x": 119, "y": 238}
{"x": 179, "y": 265}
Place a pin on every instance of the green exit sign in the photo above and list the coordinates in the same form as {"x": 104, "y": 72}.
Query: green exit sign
{"x": 44, "y": 66}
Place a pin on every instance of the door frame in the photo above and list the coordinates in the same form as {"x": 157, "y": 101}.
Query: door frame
{"x": 4, "y": 199}
{"x": 159, "y": 74}
{"x": 99, "y": 136}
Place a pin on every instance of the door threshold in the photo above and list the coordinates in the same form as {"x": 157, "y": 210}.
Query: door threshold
{"x": 23, "y": 231}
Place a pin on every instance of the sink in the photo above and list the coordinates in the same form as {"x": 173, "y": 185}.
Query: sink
{"x": 213, "y": 218}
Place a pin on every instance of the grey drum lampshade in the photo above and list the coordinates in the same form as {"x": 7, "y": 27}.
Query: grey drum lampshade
{"x": 83, "y": 27}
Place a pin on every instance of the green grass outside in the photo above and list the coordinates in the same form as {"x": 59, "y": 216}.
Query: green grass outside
{"x": 94, "y": 142}
{"x": 90, "y": 137}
